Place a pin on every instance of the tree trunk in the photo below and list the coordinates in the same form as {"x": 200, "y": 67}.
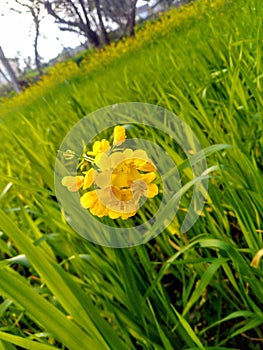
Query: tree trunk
{"x": 37, "y": 32}
{"x": 131, "y": 20}
{"x": 81, "y": 25}
{"x": 104, "y": 33}
{"x": 10, "y": 71}
{"x": 4, "y": 76}
{"x": 91, "y": 35}
{"x": 93, "y": 38}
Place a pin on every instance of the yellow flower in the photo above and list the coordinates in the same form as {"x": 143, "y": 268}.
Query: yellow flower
{"x": 119, "y": 135}
{"x": 121, "y": 178}
{"x": 73, "y": 183}
{"x": 99, "y": 147}
{"x": 116, "y": 170}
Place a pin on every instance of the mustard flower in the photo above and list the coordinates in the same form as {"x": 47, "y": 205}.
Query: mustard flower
{"x": 119, "y": 135}
{"x": 119, "y": 177}
{"x": 99, "y": 147}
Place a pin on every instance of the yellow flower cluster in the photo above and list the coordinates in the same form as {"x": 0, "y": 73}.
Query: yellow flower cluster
{"x": 120, "y": 177}
{"x": 56, "y": 74}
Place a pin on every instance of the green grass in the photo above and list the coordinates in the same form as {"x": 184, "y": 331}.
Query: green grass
{"x": 191, "y": 291}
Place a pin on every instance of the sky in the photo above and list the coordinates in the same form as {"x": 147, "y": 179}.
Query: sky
{"x": 17, "y": 35}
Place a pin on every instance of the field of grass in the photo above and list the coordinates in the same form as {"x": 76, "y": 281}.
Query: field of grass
{"x": 199, "y": 290}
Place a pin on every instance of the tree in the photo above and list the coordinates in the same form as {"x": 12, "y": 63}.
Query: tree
{"x": 35, "y": 8}
{"x": 104, "y": 33}
{"x": 73, "y": 15}
{"x": 122, "y": 12}
{"x": 9, "y": 70}
{"x": 87, "y": 17}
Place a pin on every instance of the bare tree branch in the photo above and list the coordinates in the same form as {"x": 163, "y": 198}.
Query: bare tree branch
{"x": 9, "y": 70}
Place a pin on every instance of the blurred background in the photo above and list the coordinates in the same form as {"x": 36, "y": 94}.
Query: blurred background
{"x": 35, "y": 34}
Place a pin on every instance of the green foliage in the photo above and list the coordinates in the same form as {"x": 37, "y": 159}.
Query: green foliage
{"x": 192, "y": 291}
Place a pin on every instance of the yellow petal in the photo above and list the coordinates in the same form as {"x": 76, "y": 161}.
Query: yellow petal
{"x": 114, "y": 214}
{"x": 103, "y": 179}
{"x": 105, "y": 195}
{"x": 119, "y": 135}
{"x": 98, "y": 209}
{"x": 99, "y": 147}
{"x": 116, "y": 192}
{"x": 96, "y": 147}
{"x": 133, "y": 175}
{"x": 126, "y": 195}
{"x": 116, "y": 159}
{"x": 149, "y": 177}
{"x": 89, "y": 199}
{"x": 73, "y": 183}
{"x": 147, "y": 166}
{"x": 140, "y": 154}
{"x": 128, "y": 215}
{"x": 119, "y": 179}
{"x": 88, "y": 180}
{"x": 104, "y": 146}
{"x": 152, "y": 191}
{"x": 102, "y": 161}
{"x": 127, "y": 153}
{"x": 139, "y": 186}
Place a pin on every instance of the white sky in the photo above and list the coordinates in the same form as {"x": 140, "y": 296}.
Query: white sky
{"x": 17, "y": 34}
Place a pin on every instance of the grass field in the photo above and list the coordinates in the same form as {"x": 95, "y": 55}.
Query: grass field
{"x": 199, "y": 290}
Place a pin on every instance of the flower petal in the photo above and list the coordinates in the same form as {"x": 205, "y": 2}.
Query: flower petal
{"x": 73, "y": 183}
{"x": 149, "y": 177}
{"x": 133, "y": 175}
{"x": 152, "y": 190}
{"x": 88, "y": 180}
{"x": 99, "y": 209}
{"x": 89, "y": 199}
{"x": 140, "y": 154}
{"x": 119, "y": 135}
{"x": 99, "y": 147}
{"x": 116, "y": 159}
{"x": 128, "y": 215}
{"x": 102, "y": 161}
{"x": 103, "y": 179}
{"x": 114, "y": 214}
{"x": 147, "y": 166}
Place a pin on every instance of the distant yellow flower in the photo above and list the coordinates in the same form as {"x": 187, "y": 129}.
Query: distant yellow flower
{"x": 119, "y": 135}
{"x": 73, "y": 183}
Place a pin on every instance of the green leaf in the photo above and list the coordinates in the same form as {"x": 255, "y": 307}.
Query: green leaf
{"x": 44, "y": 313}
{"x": 25, "y": 343}
{"x": 69, "y": 294}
